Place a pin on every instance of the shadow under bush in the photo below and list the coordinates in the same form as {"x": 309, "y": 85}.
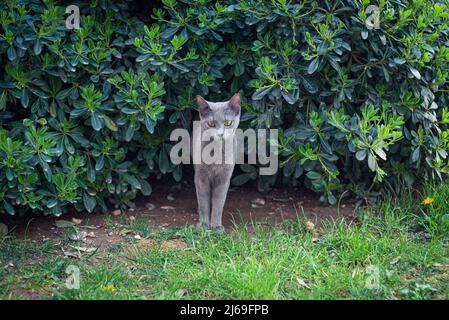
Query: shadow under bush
{"x": 86, "y": 114}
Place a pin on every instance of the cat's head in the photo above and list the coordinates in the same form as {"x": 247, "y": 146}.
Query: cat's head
{"x": 224, "y": 117}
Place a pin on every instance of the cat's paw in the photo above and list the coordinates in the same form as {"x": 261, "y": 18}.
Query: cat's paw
{"x": 202, "y": 226}
{"x": 218, "y": 230}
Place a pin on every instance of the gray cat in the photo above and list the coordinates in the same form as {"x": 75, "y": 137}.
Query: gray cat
{"x": 212, "y": 180}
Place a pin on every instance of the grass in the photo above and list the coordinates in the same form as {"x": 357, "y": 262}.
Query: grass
{"x": 396, "y": 251}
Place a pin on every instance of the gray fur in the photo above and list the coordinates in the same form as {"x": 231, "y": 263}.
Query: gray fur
{"x": 212, "y": 180}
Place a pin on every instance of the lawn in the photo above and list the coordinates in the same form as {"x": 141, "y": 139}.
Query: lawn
{"x": 396, "y": 250}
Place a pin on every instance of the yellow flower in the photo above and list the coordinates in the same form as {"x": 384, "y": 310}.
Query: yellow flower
{"x": 427, "y": 201}
{"x": 109, "y": 288}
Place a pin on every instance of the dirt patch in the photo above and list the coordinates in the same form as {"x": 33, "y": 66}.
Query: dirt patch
{"x": 42, "y": 293}
{"x": 243, "y": 205}
{"x": 175, "y": 206}
{"x": 173, "y": 244}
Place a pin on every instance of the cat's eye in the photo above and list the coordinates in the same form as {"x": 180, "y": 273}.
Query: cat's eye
{"x": 211, "y": 124}
{"x": 228, "y": 123}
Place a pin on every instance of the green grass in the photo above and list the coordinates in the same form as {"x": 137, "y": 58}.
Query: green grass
{"x": 395, "y": 251}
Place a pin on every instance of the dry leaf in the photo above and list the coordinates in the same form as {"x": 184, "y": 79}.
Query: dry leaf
{"x": 64, "y": 224}
{"x": 302, "y": 282}
{"x": 91, "y": 235}
{"x": 257, "y": 203}
{"x": 395, "y": 260}
{"x": 90, "y": 227}
{"x": 116, "y": 212}
{"x": 441, "y": 265}
{"x": 310, "y": 225}
{"x": 181, "y": 293}
{"x": 78, "y": 236}
{"x": 123, "y": 232}
{"x": 150, "y": 206}
{"x": 71, "y": 254}
{"x": 76, "y": 221}
{"x": 85, "y": 249}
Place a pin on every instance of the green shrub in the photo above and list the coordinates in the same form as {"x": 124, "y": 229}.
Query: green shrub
{"x": 65, "y": 136}
{"x": 86, "y": 114}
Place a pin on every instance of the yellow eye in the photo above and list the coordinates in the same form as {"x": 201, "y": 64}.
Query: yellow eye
{"x": 228, "y": 123}
{"x": 211, "y": 124}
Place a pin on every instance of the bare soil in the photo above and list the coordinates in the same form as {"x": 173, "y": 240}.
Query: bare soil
{"x": 175, "y": 206}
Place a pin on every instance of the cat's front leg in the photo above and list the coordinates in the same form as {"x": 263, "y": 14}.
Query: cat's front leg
{"x": 219, "y": 192}
{"x": 203, "y": 193}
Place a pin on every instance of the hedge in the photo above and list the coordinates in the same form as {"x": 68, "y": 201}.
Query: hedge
{"x": 86, "y": 114}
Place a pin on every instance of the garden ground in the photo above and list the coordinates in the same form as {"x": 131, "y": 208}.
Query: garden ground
{"x": 280, "y": 245}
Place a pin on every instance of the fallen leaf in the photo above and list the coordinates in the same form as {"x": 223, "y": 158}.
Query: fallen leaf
{"x": 76, "y": 221}
{"x": 395, "y": 260}
{"x": 310, "y": 225}
{"x": 91, "y": 235}
{"x": 123, "y": 232}
{"x": 85, "y": 249}
{"x": 441, "y": 265}
{"x": 64, "y": 224}
{"x": 181, "y": 293}
{"x": 90, "y": 227}
{"x": 116, "y": 212}
{"x": 302, "y": 282}
{"x": 257, "y": 203}
{"x": 78, "y": 236}
{"x": 150, "y": 206}
{"x": 71, "y": 254}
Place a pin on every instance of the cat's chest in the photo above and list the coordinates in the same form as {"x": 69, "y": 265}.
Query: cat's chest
{"x": 213, "y": 170}
{"x": 216, "y": 155}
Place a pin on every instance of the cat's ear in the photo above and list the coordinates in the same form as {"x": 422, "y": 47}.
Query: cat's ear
{"x": 234, "y": 103}
{"x": 203, "y": 106}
